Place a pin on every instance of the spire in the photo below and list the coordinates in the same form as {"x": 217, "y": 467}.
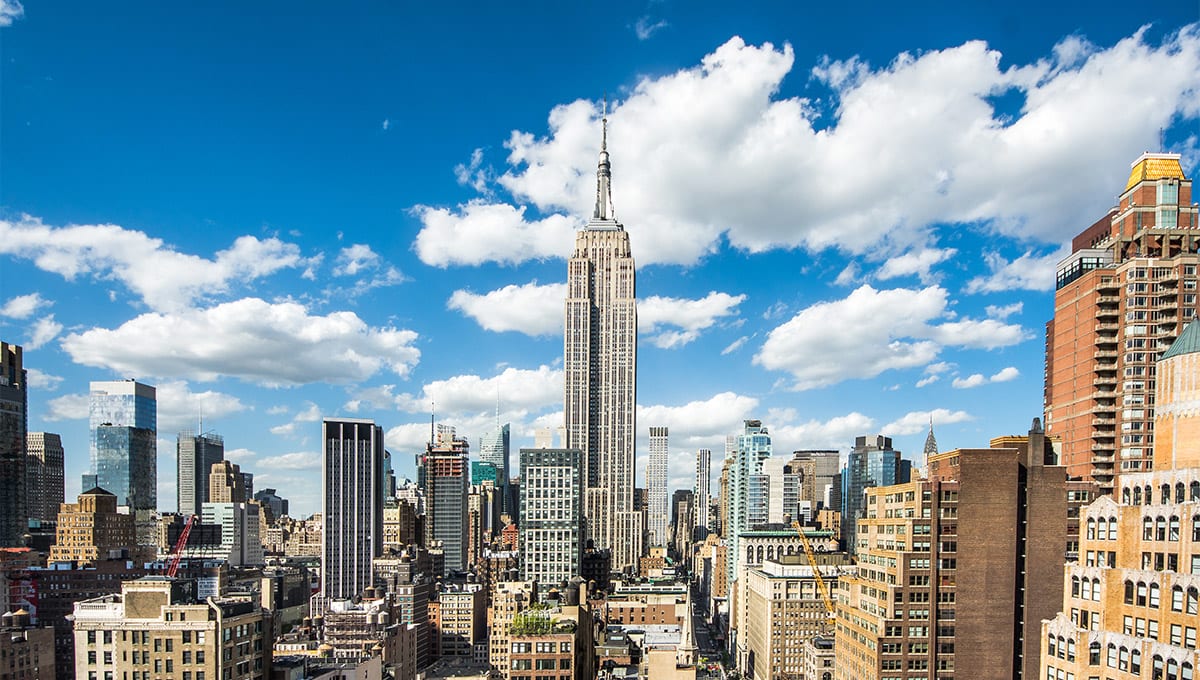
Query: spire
{"x": 604, "y": 206}
{"x": 931, "y": 448}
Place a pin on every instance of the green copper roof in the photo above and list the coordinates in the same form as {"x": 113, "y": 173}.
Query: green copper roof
{"x": 1187, "y": 342}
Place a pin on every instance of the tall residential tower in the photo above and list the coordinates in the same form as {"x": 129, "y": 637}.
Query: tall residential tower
{"x": 600, "y": 367}
{"x": 352, "y": 505}
{"x": 656, "y": 487}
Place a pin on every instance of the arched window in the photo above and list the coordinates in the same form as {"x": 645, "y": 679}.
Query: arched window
{"x": 1165, "y": 493}
{"x": 1177, "y": 599}
{"x": 1149, "y": 499}
{"x": 760, "y": 554}
{"x": 1196, "y": 527}
{"x": 1137, "y": 495}
{"x": 1172, "y": 669}
{"x": 1154, "y": 601}
{"x": 1193, "y": 601}
{"x": 1156, "y": 668}
{"x": 1112, "y": 530}
{"x": 1135, "y": 661}
{"x": 1074, "y": 586}
{"x": 770, "y": 552}
{"x": 1086, "y": 593}
{"x": 750, "y": 554}
{"x": 1178, "y": 492}
{"x": 1124, "y": 664}
{"x": 1129, "y": 592}
{"x": 1094, "y": 654}
{"x": 1185, "y": 671}
{"x": 1091, "y": 528}
{"x": 1194, "y": 490}
{"x": 1111, "y": 657}
{"x": 1052, "y": 645}
{"x": 1147, "y": 529}
{"x": 1096, "y": 589}
{"x": 1173, "y": 529}
{"x": 1141, "y": 594}
{"x": 1160, "y": 529}
{"x": 1070, "y": 649}
{"x": 1125, "y": 496}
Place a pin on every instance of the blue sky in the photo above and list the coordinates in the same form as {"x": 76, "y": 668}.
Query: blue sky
{"x": 844, "y": 224}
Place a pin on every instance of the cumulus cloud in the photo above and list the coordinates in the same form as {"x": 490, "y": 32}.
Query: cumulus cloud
{"x": 735, "y": 345}
{"x": 771, "y": 172}
{"x": 257, "y": 341}
{"x": 978, "y": 379}
{"x": 355, "y": 259}
{"x": 1027, "y": 272}
{"x": 291, "y": 461}
{"x": 517, "y": 390}
{"x": 918, "y": 421}
{"x": 698, "y": 423}
{"x": 179, "y": 408}
{"x": 837, "y": 432}
{"x": 1003, "y": 312}
{"x": 10, "y": 11}
{"x": 165, "y": 279}
{"x": 873, "y": 331}
{"x": 24, "y": 306}
{"x": 40, "y": 380}
{"x": 690, "y": 317}
{"x": 918, "y": 263}
{"x": 43, "y": 331}
{"x": 67, "y": 407}
{"x": 532, "y": 309}
{"x": 927, "y": 380}
{"x": 473, "y": 174}
{"x": 310, "y": 414}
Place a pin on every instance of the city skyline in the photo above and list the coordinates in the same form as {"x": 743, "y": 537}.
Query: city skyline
{"x": 280, "y": 247}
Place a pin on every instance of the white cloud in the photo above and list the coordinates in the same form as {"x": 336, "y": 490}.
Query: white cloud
{"x": 10, "y": 11}
{"x": 698, "y": 423}
{"x": 918, "y": 421}
{"x": 291, "y": 461}
{"x": 481, "y": 232}
{"x": 939, "y": 367}
{"x": 354, "y": 259}
{"x": 531, "y": 308}
{"x": 40, "y": 380}
{"x": 165, "y": 279}
{"x": 915, "y": 262}
{"x": 240, "y": 455}
{"x": 517, "y": 390}
{"x": 848, "y": 276}
{"x": 978, "y": 379}
{"x": 44, "y": 330}
{"x": 68, "y": 407}
{"x": 386, "y": 124}
{"x": 1027, "y": 272}
{"x": 645, "y": 27}
{"x": 310, "y": 414}
{"x": 998, "y": 312}
{"x": 473, "y": 174}
{"x": 689, "y": 316}
{"x": 277, "y": 410}
{"x": 268, "y": 343}
{"x": 872, "y": 331}
{"x": 928, "y": 380}
{"x": 179, "y": 408}
{"x": 411, "y": 437}
{"x": 837, "y": 432}
{"x": 771, "y": 172}
{"x": 24, "y": 306}
{"x": 735, "y": 345}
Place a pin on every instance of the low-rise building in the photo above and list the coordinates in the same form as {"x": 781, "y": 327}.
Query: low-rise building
{"x": 26, "y": 652}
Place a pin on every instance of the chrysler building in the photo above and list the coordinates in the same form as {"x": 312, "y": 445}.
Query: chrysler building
{"x": 600, "y": 366}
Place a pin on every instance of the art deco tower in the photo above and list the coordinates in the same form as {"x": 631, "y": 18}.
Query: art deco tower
{"x": 600, "y": 366}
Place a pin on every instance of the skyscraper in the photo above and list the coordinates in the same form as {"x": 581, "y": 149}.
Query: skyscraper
{"x": 44, "y": 475}
{"x": 352, "y": 505}
{"x": 746, "y": 452}
{"x": 656, "y": 487}
{"x": 702, "y": 490}
{"x": 551, "y": 545}
{"x": 1120, "y": 299}
{"x": 226, "y": 484}
{"x": 195, "y": 455}
{"x": 123, "y": 420}
{"x": 600, "y": 371}
{"x": 493, "y": 449}
{"x": 872, "y": 462}
{"x": 446, "y": 482}
{"x": 14, "y": 419}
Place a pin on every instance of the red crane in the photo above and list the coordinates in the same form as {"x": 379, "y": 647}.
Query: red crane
{"x": 177, "y": 551}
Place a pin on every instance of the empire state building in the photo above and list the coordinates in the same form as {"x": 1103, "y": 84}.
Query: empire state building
{"x": 600, "y": 366}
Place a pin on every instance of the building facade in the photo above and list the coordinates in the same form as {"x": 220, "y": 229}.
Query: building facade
{"x": 44, "y": 485}
{"x": 447, "y": 478}
{"x": 656, "y": 489}
{"x": 702, "y": 490}
{"x": 123, "y": 427}
{"x": 352, "y": 505}
{"x": 872, "y": 462}
{"x": 14, "y": 423}
{"x": 494, "y": 449}
{"x": 1121, "y": 298}
{"x": 600, "y": 372}
{"x": 195, "y": 455}
{"x": 226, "y": 483}
{"x": 745, "y": 455}
{"x": 551, "y": 537}
{"x": 92, "y": 530}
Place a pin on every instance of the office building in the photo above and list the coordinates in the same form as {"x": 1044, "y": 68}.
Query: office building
{"x": 872, "y": 462}
{"x": 277, "y": 505}
{"x": 683, "y": 521}
{"x": 1130, "y": 606}
{"x": 92, "y": 530}
{"x": 494, "y": 449}
{"x": 703, "y": 490}
{"x": 44, "y": 475}
{"x": 656, "y": 488}
{"x": 816, "y": 487}
{"x": 14, "y": 423}
{"x": 551, "y": 539}
{"x": 158, "y": 625}
{"x": 747, "y": 486}
{"x": 956, "y": 571}
{"x": 195, "y": 455}
{"x": 554, "y": 641}
{"x": 446, "y": 471}
{"x": 240, "y": 543}
{"x": 226, "y": 483}
{"x": 1120, "y": 299}
{"x": 123, "y": 426}
{"x": 600, "y": 372}
{"x": 509, "y": 598}
{"x": 352, "y": 505}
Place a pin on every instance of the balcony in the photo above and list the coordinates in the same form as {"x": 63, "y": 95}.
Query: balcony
{"x": 1102, "y": 380}
{"x": 1109, "y": 285}
{"x": 1106, "y": 354}
{"x": 1099, "y": 421}
{"x": 1108, "y": 300}
{"x": 1106, "y": 327}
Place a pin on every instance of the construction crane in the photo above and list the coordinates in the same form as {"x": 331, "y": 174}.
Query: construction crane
{"x": 177, "y": 551}
{"x": 812, "y": 560}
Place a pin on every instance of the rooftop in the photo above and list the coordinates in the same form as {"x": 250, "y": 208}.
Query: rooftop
{"x": 1188, "y": 342}
{"x": 1154, "y": 166}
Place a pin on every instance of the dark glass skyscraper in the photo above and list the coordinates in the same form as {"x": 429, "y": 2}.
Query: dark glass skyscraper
{"x": 123, "y": 419}
{"x": 14, "y": 511}
{"x": 872, "y": 462}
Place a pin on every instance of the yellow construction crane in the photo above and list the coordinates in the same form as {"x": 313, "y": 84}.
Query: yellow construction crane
{"x": 812, "y": 560}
